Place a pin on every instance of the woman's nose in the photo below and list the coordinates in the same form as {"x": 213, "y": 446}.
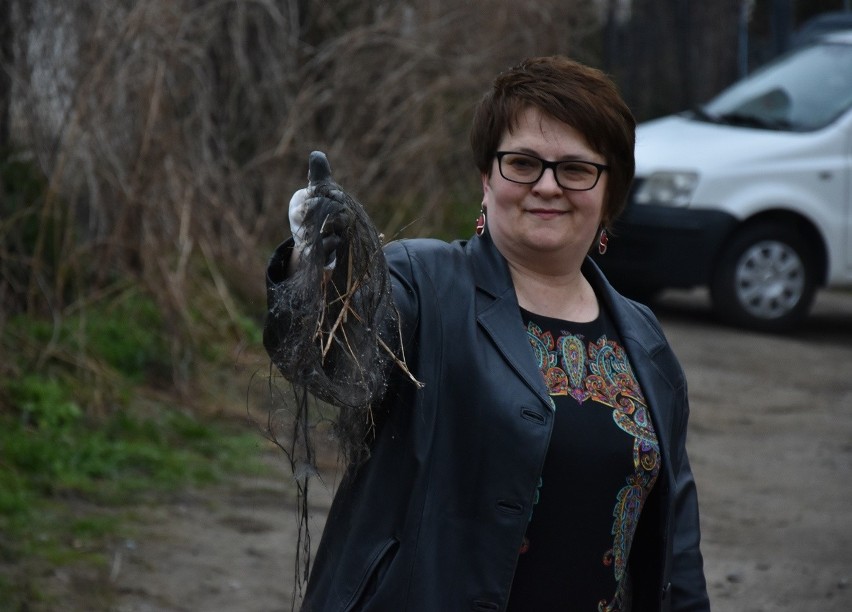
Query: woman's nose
{"x": 547, "y": 182}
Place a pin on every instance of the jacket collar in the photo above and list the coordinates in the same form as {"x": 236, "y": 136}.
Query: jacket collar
{"x": 492, "y": 277}
{"x": 490, "y": 269}
{"x": 497, "y": 312}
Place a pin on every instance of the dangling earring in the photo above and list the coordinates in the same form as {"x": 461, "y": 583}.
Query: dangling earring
{"x": 603, "y": 241}
{"x": 480, "y": 222}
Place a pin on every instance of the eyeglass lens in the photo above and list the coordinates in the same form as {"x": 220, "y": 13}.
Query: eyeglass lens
{"x": 522, "y": 168}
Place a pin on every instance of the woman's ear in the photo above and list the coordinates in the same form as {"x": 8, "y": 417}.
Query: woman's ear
{"x": 486, "y": 187}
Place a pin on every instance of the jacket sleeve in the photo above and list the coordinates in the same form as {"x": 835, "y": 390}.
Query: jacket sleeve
{"x": 688, "y": 585}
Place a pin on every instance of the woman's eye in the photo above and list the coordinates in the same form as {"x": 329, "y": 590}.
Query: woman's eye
{"x": 576, "y": 169}
{"x": 523, "y": 164}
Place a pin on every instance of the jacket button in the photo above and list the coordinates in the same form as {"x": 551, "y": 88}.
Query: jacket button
{"x": 666, "y": 590}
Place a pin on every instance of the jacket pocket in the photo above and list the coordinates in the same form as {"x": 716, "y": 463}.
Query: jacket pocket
{"x": 377, "y": 567}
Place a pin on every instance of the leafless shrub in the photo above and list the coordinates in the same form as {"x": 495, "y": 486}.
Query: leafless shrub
{"x": 173, "y": 131}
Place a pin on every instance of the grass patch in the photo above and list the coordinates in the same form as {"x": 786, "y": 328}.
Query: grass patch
{"x": 64, "y": 479}
{"x": 124, "y": 335}
{"x": 83, "y": 437}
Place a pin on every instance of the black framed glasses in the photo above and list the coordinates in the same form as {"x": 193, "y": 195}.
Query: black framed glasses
{"x": 527, "y": 169}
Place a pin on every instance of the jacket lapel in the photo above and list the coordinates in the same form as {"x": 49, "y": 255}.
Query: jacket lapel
{"x": 650, "y": 357}
{"x": 498, "y": 314}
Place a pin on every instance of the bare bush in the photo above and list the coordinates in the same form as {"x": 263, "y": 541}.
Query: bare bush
{"x": 173, "y": 131}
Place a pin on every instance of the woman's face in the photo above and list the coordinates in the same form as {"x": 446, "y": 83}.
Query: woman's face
{"x": 542, "y": 224}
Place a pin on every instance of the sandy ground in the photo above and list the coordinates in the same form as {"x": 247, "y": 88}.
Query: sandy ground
{"x": 771, "y": 448}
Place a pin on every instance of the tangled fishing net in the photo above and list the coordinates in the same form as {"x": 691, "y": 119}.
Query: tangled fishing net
{"x": 333, "y": 332}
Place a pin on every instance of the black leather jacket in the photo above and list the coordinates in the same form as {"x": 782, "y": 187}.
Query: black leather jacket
{"x": 433, "y": 521}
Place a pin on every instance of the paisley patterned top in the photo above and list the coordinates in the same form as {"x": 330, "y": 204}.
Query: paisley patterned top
{"x": 601, "y": 465}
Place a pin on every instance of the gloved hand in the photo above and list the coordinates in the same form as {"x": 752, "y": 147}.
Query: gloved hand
{"x": 318, "y": 213}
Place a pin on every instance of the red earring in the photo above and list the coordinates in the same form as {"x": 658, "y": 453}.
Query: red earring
{"x": 480, "y": 222}
{"x": 603, "y": 241}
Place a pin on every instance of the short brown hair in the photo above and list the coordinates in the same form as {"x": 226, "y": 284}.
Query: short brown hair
{"x": 575, "y": 94}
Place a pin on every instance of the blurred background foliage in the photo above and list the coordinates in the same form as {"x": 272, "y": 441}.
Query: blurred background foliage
{"x": 148, "y": 149}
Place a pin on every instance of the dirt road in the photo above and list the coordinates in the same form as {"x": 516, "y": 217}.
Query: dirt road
{"x": 770, "y": 443}
{"x": 771, "y": 448}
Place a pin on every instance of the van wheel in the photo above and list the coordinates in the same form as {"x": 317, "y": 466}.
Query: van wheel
{"x": 765, "y": 278}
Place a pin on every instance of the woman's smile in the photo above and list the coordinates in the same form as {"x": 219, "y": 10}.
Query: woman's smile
{"x": 547, "y": 213}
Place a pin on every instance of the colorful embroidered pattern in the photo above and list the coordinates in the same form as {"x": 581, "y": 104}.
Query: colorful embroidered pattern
{"x": 600, "y": 371}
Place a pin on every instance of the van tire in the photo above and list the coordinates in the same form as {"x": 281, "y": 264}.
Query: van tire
{"x": 765, "y": 278}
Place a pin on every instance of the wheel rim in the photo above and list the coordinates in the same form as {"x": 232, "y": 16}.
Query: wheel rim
{"x": 770, "y": 279}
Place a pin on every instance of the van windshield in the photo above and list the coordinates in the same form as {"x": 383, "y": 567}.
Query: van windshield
{"x": 803, "y": 91}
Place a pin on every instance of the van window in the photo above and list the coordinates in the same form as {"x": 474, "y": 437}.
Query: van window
{"x": 803, "y": 91}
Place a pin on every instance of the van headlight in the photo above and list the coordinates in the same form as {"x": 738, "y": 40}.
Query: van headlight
{"x": 667, "y": 188}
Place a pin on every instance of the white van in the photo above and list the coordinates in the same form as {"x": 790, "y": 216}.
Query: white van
{"x": 748, "y": 195}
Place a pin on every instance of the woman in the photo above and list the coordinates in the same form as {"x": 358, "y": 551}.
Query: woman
{"x": 527, "y": 448}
